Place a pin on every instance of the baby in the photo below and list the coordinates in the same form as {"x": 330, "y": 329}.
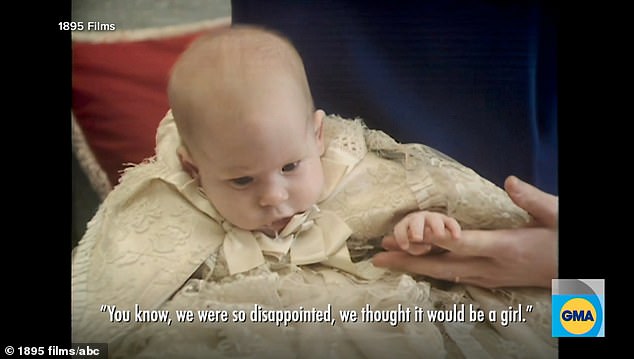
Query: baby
{"x": 256, "y": 197}
{"x": 252, "y": 137}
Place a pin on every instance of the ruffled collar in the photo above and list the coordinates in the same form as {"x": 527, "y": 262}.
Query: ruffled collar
{"x": 314, "y": 236}
{"x": 310, "y": 237}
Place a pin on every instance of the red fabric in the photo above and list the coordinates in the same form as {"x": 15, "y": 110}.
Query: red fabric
{"x": 119, "y": 96}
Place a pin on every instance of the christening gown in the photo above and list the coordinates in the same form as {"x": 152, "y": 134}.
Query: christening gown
{"x": 157, "y": 244}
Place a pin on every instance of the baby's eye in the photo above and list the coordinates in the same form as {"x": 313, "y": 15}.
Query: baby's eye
{"x": 290, "y": 167}
{"x": 242, "y": 181}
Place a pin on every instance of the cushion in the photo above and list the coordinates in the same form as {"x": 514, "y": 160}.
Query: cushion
{"x": 119, "y": 89}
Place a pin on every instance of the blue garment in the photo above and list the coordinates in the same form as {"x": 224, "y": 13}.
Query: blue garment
{"x": 476, "y": 80}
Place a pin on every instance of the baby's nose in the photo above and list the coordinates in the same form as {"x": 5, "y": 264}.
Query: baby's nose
{"x": 273, "y": 195}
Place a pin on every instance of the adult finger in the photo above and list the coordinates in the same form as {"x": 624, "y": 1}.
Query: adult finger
{"x": 418, "y": 249}
{"x": 389, "y": 243}
{"x": 541, "y": 205}
{"x": 480, "y": 243}
{"x": 442, "y": 266}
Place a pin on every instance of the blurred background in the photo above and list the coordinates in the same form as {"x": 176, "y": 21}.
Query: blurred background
{"x": 130, "y": 15}
{"x": 139, "y": 14}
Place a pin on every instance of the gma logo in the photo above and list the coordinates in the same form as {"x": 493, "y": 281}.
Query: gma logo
{"x": 578, "y": 316}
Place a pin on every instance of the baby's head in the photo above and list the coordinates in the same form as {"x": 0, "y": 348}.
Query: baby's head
{"x": 249, "y": 130}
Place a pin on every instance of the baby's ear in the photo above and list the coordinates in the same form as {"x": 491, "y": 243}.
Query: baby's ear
{"x": 318, "y": 125}
{"x": 186, "y": 162}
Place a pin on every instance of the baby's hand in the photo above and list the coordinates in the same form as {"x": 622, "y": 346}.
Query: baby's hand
{"x": 410, "y": 232}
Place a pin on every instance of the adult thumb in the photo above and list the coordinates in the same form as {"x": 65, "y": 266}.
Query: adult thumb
{"x": 542, "y": 206}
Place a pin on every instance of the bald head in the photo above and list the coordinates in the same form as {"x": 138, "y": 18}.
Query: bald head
{"x": 222, "y": 77}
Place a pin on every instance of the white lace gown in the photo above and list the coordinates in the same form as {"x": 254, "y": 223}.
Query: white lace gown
{"x": 157, "y": 244}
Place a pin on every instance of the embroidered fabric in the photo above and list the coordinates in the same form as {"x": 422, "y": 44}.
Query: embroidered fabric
{"x": 156, "y": 243}
{"x": 318, "y": 287}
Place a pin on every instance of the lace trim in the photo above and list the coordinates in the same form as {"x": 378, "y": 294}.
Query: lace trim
{"x": 81, "y": 267}
{"x": 346, "y": 134}
{"x": 440, "y": 183}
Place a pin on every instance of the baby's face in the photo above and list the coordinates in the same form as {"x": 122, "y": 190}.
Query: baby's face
{"x": 261, "y": 170}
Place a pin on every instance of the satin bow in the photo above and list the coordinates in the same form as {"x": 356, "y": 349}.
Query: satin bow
{"x": 315, "y": 236}
{"x": 312, "y": 237}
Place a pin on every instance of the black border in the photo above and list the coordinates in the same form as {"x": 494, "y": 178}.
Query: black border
{"x": 588, "y": 184}
{"x": 37, "y": 178}
{"x": 36, "y": 264}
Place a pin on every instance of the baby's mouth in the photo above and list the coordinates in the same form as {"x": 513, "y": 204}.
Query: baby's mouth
{"x": 274, "y": 228}
{"x": 278, "y": 225}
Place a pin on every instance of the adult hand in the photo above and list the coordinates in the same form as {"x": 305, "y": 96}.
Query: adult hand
{"x": 492, "y": 258}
